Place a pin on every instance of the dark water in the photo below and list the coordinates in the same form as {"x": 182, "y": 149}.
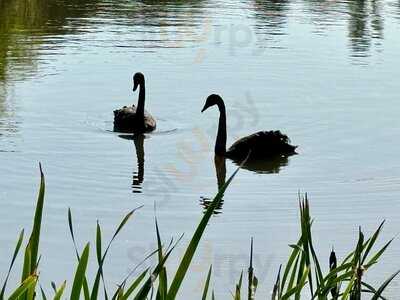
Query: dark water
{"x": 324, "y": 72}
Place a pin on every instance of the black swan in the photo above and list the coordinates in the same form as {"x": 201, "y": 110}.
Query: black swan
{"x": 134, "y": 119}
{"x": 259, "y": 145}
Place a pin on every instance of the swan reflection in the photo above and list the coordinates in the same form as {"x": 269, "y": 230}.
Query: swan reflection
{"x": 272, "y": 165}
{"x": 138, "y": 175}
{"x": 220, "y": 172}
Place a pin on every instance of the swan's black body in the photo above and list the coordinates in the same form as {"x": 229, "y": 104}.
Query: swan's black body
{"x": 260, "y": 145}
{"x": 135, "y": 119}
{"x": 126, "y": 120}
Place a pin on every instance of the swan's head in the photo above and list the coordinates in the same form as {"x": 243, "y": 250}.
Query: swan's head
{"x": 213, "y": 99}
{"x": 138, "y": 78}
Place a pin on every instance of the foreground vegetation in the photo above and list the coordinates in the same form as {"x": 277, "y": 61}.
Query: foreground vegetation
{"x": 301, "y": 277}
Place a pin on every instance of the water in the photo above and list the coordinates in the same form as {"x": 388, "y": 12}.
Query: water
{"x": 324, "y": 72}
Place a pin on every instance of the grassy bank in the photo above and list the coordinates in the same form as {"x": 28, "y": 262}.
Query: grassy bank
{"x": 302, "y": 277}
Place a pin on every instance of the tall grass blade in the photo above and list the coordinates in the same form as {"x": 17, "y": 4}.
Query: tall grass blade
{"x": 275, "y": 290}
{"x": 16, "y": 251}
{"x": 71, "y": 231}
{"x": 98, "y": 242}
{"x": 24, "y": 287}
{"x": 96, "y": 284}
{"x": 134, "y": 285}
{"x": 375, "y": 258}
{"x": 145, "y": 289}
{"x": 293, "y": 275}
{"x": 43, "y": 294}
{"x": 250, "y": 273}
{"x": 191, "y": 249}
{"x": 26, "y": 268}
{"x": 371, "y": 242}
{"x": 206, "y": 286}
{"x": 384, "y": 285}
{"x": 238, "y": 288}
{"x": 289, "y": 264}
{"x": 80, "y": 274}
{"x": 60, "y": 291}
{"x": 162, "y": 281}
{"x": 35, "y": 235}
{"x": 298, "y": 288}
{"x": 251, "y": 277}
{"x": 100, "y": 274}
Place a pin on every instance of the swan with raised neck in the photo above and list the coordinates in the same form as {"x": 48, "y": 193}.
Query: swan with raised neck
{"x": 135, "y": 119}
{"x": 259, "y": 145}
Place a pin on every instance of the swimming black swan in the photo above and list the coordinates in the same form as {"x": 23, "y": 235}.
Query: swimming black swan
{"x": 134, "y": 119}
{"x": 260, "y": 145}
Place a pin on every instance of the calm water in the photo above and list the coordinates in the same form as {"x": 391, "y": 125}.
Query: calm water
{"x": 324, "y": 72}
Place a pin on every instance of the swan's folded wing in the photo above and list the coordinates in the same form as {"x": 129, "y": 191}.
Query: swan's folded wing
{"x": 262, "y": 144}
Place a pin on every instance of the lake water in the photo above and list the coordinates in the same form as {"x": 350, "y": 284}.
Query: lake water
{"x": 324, "y": 72}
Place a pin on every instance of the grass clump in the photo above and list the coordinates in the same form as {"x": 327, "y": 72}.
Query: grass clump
{"x": 303, "y": 275}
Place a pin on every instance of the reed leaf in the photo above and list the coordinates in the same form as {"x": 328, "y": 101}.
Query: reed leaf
{"x": 35, "y": 235}
{"x": 162, "y": 281}
{"x": 206, "y": 286}
{"x": 80, "y": 274}
{"x": 99, "y": 274}
{"x": 384, "y": 285}
{"x": 60, "y": 291}
{"x": 238, "y": 288}
{"x": 44, "y": 297}
{"x": 15, "y": 254}
{"x": 24, "y": 287}
{"x": 134, "y": 285}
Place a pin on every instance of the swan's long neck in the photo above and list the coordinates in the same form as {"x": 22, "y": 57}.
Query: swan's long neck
{"x": 220, "y": 169}
{"x": 220, "y": 144}
{"x": 140, "y": 105}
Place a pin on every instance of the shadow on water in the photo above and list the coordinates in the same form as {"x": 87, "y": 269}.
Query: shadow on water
{"x": 138, "y": 175}
{"x": 269, "y": 166}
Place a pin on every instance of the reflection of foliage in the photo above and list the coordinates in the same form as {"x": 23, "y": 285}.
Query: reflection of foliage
{"x": 365, "y": 22}
{"x": 23, "y": 24}
{"x": 358, "y": 31}
{"x": 16, "y": 17}
{"x": 272, "y": 14}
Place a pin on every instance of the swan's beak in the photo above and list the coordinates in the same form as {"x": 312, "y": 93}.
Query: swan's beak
{"x": 135, "y": 85}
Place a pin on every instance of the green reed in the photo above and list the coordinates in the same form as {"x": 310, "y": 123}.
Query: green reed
{"x": 302, "y": 275}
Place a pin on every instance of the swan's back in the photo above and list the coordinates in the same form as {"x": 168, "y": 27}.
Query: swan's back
{"x": 126, "y": 120}
{"x": 262, "y": 144}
